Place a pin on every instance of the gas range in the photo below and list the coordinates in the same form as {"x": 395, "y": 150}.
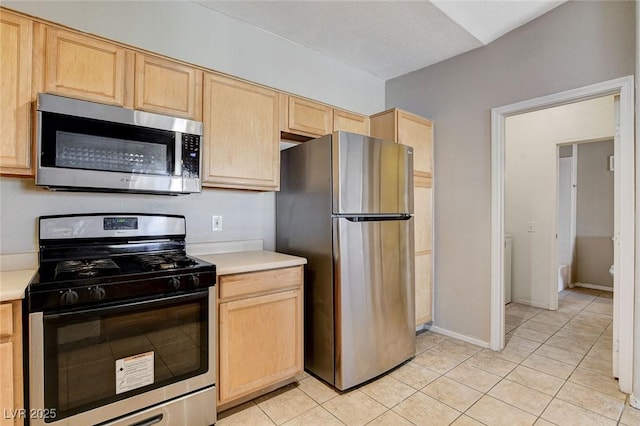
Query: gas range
{"x": 120, "y": 323}
{"x": 104, "y": 258}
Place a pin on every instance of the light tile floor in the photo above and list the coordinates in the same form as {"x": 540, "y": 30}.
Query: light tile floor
{"x": 555, "y": 369}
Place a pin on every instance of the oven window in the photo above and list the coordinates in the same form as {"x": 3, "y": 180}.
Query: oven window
{"x": 80, "y": 143}
{"x": 96, "y": 357}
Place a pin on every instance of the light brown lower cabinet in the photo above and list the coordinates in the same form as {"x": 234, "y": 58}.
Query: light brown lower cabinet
{"x": 260, "y": 333}
{"x": 11, "y": 390}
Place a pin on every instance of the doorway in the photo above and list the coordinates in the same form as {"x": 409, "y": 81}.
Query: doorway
{"x": 624, "y": 233}
{"x": 591, "y": 224}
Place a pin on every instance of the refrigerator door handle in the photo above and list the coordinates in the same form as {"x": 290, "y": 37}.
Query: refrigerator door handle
{"x": 377, "y": 218}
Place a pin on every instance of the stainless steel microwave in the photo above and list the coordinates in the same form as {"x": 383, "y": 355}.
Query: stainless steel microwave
{"x": 86, "y": 146}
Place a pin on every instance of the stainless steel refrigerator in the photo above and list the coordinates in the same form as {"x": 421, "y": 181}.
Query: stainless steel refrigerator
{"x": 346, "y": 204}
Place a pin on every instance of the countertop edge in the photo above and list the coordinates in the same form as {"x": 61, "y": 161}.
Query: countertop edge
{"x": 251, "y": 261}
{"x": 14, "y": 283}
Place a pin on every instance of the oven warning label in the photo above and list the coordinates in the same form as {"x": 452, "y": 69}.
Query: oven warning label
{"x": 134, "y": 372}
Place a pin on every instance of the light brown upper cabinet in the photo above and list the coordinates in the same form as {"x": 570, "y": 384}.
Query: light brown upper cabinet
{"x": 84, "y": 67}
{"x": 407, "y": 129}
{"x": 417, "y": 132}
{"x": 241, "y": 135}
{"x": 305, "y": 117}
{"x": 350, "y": 122}
{"x": 16, "y": 35}
{"x": 167, "y": 87}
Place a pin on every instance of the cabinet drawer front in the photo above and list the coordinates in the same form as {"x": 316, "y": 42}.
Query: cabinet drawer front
{"x": 259, "y": 282}
{"x": 6, "y": 319}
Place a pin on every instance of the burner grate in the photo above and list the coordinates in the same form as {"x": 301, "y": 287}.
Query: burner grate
{"x": 158, "y": 262}
{"x": 73, "y": 269}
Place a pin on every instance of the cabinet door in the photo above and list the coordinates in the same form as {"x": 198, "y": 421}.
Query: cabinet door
{"x": 416, "y": 132}
{"x": 309, "y": 118}
{"x": 260, "y": 342}
{"x": 423, "y": 225}
{"x": 349, "y": 122}
{"x": 11, "y": 389}
{"x": 241, "y": 135}
{"x": 15, "y": 94}
{"x": 84, "y": 67}
{"x": 424, "y": 289}
{"x": 168, "y": 87}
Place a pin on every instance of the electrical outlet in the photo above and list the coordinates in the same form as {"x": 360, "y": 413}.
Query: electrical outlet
{"x": 216, "y": 223}
{"x": 531, "y": 227}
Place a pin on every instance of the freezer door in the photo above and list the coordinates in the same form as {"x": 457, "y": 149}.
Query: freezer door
{"x": 371, "y": 176}
{"x": 374, "y": 291}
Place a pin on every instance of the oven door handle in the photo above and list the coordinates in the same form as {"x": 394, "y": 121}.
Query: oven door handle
{"x": 131, "y": 306}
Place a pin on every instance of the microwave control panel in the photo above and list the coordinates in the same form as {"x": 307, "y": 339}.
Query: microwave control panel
{"x": 190, "y": 156}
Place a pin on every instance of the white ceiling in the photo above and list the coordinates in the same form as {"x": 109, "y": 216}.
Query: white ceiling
{"x": 386, "y": 38}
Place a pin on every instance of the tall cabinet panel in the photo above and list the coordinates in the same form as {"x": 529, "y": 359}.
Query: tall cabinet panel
{"x": 15, "y": 94}
{"x": 241, "y": 135}
{"x": 417, "y": 132}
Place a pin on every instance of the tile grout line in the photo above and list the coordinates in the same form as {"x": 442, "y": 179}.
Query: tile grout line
{"x": 435, "y": 344}
{"x": 554, "y": 396}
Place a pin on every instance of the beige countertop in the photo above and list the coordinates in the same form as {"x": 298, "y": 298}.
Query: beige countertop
{"x": 13, "y": 283}
{"x": 249, "y": 261}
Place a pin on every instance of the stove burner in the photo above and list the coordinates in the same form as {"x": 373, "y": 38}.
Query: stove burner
{"x": 158, "y": 262}
{"x": 72, "y": 269}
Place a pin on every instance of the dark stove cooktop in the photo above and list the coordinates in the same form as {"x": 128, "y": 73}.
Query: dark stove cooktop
{"x": 120, "y": 267}
{"x": 89, "y": 260}
{"x": 67, "y": 284}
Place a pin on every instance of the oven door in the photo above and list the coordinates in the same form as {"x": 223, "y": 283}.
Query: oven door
{"x": 96, "y": 365}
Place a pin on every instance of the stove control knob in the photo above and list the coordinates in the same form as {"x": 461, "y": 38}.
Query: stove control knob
{"x": 97, "y": 293}
{"x": 194, "y": 280}
{"x": 69, "y": 297}
{"x": 174, "y": 282}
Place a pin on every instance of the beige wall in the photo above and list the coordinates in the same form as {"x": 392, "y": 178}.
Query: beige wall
{"x": 594, "y": 218}
{"x": 574, "y": 45}
{"x": 531, "y": 152}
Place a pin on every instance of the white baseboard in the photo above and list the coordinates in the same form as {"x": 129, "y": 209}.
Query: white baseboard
{"x": 594, "y": 286}
{"x": 530, "y": 303}
{"x": 459, "y": 336}
{"x": 634, "y": 401}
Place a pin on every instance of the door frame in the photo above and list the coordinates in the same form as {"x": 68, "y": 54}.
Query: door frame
{"x": 625, "y": 154}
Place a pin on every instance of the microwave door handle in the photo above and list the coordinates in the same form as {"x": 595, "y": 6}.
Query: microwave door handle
{"x": 177, "y": 164}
